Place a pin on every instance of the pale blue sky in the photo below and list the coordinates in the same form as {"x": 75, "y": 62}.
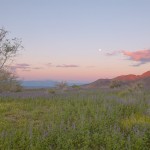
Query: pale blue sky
{"x": 72, "y": 31}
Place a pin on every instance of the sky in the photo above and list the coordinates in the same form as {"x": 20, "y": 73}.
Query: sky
{"x": 62, "y": 38}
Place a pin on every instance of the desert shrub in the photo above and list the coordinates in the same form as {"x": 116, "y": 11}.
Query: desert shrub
{"x": 140, "y": 85}
{"x": 123, "y": 93}
{"x": 135, "y": 120}
{"x": 130, "y": 89}
{"x": 16, "y": 86}
{"x": 51, "y": 91}
{"x": 115, "y": 84}
{"x": 147, "y": 139}
{"x": 136, "y": 87}
{"x": 8, "y": 82}
{"x": 75, "y": 86}
{"x": 62, "y": 85}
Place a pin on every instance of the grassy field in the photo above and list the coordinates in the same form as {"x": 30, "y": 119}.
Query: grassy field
{"x": 111, "y": 120}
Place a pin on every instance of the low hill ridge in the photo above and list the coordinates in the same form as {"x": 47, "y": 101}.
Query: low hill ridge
{"x": 146, "y": 74}
{"x": 132, "y": 77}
{"x": 125, "y": 80}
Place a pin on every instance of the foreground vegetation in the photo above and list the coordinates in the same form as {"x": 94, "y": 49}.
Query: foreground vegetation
{"x": 77, "y": 120}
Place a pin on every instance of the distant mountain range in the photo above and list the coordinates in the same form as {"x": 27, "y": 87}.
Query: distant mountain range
{"x": 125, "y": 80}
{"x": 38, "y": 84}
{"x": 46, "y": 83}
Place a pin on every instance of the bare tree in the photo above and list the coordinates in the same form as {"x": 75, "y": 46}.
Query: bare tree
{"x": 8, "y": 48}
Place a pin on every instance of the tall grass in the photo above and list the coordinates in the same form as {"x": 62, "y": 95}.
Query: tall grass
{"x": 85, "y": 120}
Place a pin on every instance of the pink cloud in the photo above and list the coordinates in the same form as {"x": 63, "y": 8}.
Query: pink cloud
{"x": 141, "y": 56}
{"x": 138, "y": 55}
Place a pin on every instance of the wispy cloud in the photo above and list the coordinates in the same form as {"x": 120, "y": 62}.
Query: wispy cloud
{"x": 67, "y": 66}
{"x": 26, "y": 70}
{"x": 37, "y": 68}
{"x": 113, "y": 53}
{"x": 48, "y": 64}
{"x": 22, "y": 66}
{"x": 90, "y": 66}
